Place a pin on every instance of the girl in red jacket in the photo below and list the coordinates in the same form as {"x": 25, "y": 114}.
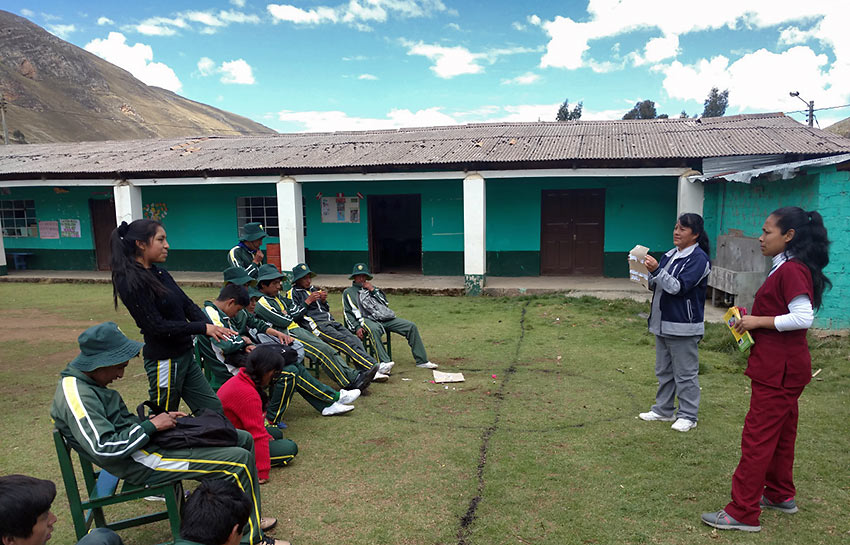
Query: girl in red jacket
{"x": 244, "y": 400}
{"x": 779, "y": 366}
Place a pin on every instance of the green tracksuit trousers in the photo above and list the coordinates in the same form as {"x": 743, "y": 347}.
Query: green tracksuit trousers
{"x": 405, "y": 328}
{"x": 293, "y": 378}
{"x": 318, "y": 350}
{"x": 180, "y": 378}
{"x": 336, "y": 335}
{"x": 281, "y": 450}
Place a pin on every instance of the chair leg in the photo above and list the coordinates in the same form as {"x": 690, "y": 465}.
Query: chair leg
{"x": 174, "y": 504}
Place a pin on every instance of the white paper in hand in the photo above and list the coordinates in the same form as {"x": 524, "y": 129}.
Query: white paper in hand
{"x": 637, "y": 265}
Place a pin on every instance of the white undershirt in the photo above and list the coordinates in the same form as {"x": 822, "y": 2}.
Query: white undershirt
{"x": 800, "y": 312}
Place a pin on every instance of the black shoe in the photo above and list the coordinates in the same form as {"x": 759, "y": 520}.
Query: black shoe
{"x": 363, "y": 379}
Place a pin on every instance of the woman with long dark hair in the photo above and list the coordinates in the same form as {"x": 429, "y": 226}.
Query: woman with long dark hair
{"x": 245, "y": 401}
{"x": 779, "y": 366}
{"x": 679, "y": 282}
{"x": 166, "y": 316}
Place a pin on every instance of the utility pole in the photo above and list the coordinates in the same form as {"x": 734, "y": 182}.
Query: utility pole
{"x": 810, "y": 117}
{"x": 3, "y": 118}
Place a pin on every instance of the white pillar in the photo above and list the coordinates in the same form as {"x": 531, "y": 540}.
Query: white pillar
{"x": 4, "y": 268}
{"x": 689, "y": 197}
{"x": 290, "y": 222}
{"x": 128, "y": 202}
{"x": 474, "y": 233}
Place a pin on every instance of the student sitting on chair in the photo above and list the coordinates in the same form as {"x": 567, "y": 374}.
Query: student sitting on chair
{"x": 214, "y": 514}
{"x": 367, "y": 312}
{"x": 26, "y": 518}
{"x": 318, "y": 319}
{"x": 95, "y": 422}
{"x": 247, "y": 253}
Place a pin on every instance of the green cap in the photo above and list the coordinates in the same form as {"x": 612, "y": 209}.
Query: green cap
{"x": 360, "y": 268}
{"x": 237, "y": 275}
{"x": 268, "y": 272}
{"x": 104, "y": 345}
{"x": 300, "y": 271}
{"x": 252, "y": 231}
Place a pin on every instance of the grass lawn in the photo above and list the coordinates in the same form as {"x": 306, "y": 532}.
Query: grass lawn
{"x": 540, "y": 445}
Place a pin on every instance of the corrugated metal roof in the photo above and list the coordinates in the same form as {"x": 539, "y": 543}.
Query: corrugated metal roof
{"x": 497, "y": 144}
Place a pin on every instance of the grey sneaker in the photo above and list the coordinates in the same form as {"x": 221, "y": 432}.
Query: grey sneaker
{"x": 380, "y": 377}
{"x": 336, "y": 408}
{"x": 385, "y": 367}
{"x": 653, "y": 416}
{"x": 683, "y": 424}
{"x": 722, "y": 521}
{"x": 788, "y": 506}
{"x": 427, "y": 365}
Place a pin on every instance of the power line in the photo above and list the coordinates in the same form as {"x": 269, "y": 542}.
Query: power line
{"x": 818, "y": 109}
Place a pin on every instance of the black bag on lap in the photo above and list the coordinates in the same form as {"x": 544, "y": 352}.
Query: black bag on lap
{"x": 238, "y": 359}
{"x": 206, "y": 428}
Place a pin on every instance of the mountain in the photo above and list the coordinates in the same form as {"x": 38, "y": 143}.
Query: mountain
{"x": 57, "y": 92}
{"x": 842, "y": 128}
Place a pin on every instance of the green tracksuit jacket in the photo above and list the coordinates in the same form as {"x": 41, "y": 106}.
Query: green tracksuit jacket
{"x": 241, "y": 256}
{"x": 212, "y": 352}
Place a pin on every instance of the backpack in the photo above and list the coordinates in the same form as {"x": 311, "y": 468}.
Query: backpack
{"x": 206, "y": 428}
{"x": 373, "y": 308}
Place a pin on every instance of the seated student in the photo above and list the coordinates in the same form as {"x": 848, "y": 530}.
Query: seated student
{"x": 214, "y": 514}
{"x": 245, "y": 321}
{"x": 95, "y": 422}
{"x": 247, "y": 253}
{"x": 318, "y": 319}
{"x": 282, "y": 313}
{"x": 26, "y": 518}
{"x": 245, "y": 402}
{"x": 367, "y": 312}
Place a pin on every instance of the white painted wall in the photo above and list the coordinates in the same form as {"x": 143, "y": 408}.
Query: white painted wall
{"x": 474, "y": 225}
{"x": 2, "y": 251}
{"x": 291, "y": 222}
{"x": 690, "y": 196}
{"x": 128, "y": 202}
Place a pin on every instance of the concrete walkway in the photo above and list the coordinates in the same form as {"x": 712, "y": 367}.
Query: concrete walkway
{"x": 571, "y": 286}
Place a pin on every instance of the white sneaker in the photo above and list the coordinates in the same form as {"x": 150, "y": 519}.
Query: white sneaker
{"x": 347, "y": 397}
{"x": 337, "y": 408}
{"x": 653, "y": 416}
{"x": 427, "y": 365}
{"x": 380, "y": 377}
{"x": 683, "y": 424}
{"x": 385, "y": 367}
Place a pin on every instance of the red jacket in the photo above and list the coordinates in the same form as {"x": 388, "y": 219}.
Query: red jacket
{"x": 781, "y": 359}
{"x": 243, "y": 407}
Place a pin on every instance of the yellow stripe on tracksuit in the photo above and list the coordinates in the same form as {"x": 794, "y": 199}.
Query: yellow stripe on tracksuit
{"x": 283, "y": 406}
{"x": 315, "y": 353}
{"x": 163, "y": 381}
{"x": 312, "y": 390}
{"x": 355, "y": 356}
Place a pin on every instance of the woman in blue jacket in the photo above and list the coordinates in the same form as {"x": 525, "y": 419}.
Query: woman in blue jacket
{"x": 678, "y": 283}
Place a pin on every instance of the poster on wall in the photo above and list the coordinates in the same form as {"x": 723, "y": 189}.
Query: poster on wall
{"x": 48, "y": 229}
{"x": 340, "y": 209}
{"x": 70, "y": 228}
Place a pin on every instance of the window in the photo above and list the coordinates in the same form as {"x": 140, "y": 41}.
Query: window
{"x": 18, "y": 219}
{"x": 261, "y": 209}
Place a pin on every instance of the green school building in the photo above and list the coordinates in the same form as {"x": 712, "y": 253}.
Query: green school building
{"x": 503, "y": 199}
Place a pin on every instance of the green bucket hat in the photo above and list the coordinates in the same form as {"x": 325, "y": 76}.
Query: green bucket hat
{"x": 254, "y": 292}
{"x": 252, "y": 231}
{"x": 237, "y": 275}
{"x": 300, "y": 271}
{"x": 103, "y": 345}
{"x": 360, "y": 268}
{"x": 268, "y": 272}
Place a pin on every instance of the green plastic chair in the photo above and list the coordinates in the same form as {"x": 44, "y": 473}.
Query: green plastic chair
{"x": 101, "y": 490}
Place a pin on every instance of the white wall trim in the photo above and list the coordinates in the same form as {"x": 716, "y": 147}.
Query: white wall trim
{"x": 690, "y": 195}
{"x": 128, "y": 202}
{"x": 474, "y": 225}
{"x": 290, "y": 223}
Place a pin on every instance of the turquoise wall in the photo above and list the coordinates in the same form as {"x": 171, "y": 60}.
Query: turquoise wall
{"x": 834, "y": 205}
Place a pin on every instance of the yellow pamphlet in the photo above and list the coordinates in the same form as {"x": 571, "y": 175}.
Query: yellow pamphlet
{"x": 744, "y": 341}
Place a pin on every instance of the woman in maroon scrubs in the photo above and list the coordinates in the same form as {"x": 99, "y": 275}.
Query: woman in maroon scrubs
{"x": 779, "y": 366}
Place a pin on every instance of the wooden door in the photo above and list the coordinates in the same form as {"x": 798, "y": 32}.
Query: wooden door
{"x": 103, "y": 223}
{"x": 572, "y": 232}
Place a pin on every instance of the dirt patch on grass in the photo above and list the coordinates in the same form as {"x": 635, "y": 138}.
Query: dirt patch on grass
{"x": 21, "y": 325}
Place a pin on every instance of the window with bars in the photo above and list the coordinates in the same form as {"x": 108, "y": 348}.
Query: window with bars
{"x": 264, "y": 210}
{"x": 17, "y": 218}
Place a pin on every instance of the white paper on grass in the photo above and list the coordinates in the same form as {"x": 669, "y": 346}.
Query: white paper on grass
{"x": 439, "y": 377}
{"x": 637, "y": 265}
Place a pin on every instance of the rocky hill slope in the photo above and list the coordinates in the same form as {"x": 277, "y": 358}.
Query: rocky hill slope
{"x": 57, "y": 92}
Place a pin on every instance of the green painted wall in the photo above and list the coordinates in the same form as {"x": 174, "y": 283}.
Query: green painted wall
{"x": 637, "y": 211}
{"x": 833, "y": 201}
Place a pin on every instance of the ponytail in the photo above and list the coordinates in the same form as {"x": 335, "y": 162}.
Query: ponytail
{"x": 695, "y": 223}
{"x": 125, "y": 268}
{"x": 810, "y": 244}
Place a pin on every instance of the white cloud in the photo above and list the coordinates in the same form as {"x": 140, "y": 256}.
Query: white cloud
{"x": 367, "y": 77}
{"x": 457, "y": 60}
{"x": 518, "y": 26}
{"x": 105, "y": 21}
{"x": 205, "y": 22}
{"x": 136, "y": 59}
{"x": 63, "y": 31}
{"x": 237, "y": 71}
{"x": 160, "y": 26}
{"x": 329, "y": 121}
{"x": 206, "y": 66}
{"x": 356, "y": 13}
{"x": 658, "y": 49}
{"x": 453, "y": 26}
{"x": 233, "y": 16}
{"x": 27, "y": 12}
{"x": 238, "y": 3}
{"x": 524, "y": 79}
{"x": 355, "y": 58}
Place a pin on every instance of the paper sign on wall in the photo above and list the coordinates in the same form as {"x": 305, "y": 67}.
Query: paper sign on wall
{"x": 637, "y": 265}
{"x": 70, "y": 228}
{"x": 48, "y": 229}
{"x": 340, "y": 209}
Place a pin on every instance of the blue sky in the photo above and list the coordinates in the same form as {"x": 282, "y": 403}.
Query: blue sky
{"x": 320, "y": 65}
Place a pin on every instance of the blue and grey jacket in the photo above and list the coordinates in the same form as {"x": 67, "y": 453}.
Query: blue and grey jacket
{"x": 678, "y": 301}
